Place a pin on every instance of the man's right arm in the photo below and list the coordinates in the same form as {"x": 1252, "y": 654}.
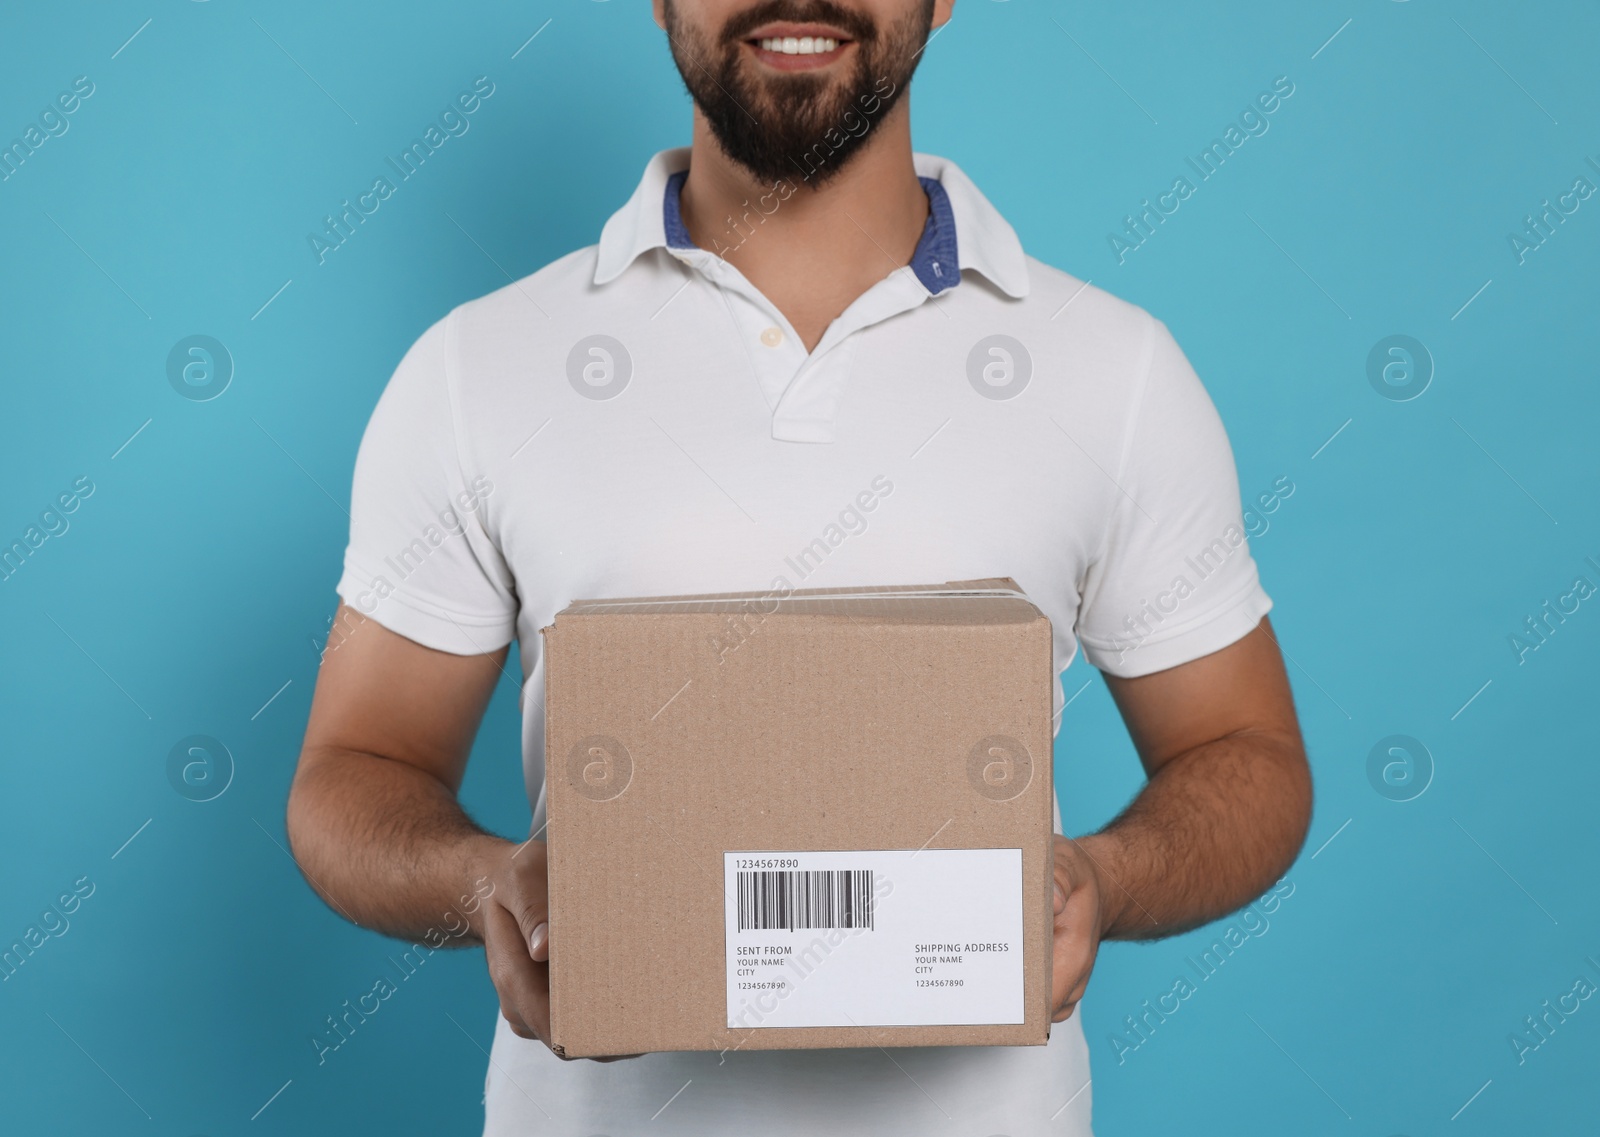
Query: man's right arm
{"x": 373, "y": 818}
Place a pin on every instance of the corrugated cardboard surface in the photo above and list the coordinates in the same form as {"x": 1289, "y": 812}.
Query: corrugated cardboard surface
{"x": 835, "y": 719}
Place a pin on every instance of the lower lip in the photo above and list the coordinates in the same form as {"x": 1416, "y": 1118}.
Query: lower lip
{"x": 782, "y": 62}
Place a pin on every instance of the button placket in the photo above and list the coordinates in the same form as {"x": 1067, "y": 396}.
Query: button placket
{"x": 774, "y": 354}
{"x": 749, "y": 315}
{"x": 805, "y": 413}
{"x": 803, "y": 389}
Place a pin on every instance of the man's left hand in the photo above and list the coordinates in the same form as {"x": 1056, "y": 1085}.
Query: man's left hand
{"x": 1079, "y": 923}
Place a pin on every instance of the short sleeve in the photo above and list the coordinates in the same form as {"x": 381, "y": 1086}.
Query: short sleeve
{"x": 420, "y": 559}
{"x": 1174, "y": 579}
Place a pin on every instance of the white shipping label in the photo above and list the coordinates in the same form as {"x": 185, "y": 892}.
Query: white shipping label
{"x": 896, "y": 937}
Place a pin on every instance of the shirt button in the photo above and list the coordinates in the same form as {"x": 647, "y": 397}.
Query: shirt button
{"x": 772, "y": 337}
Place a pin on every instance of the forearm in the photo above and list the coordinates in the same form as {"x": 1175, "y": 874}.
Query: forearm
{"x": 1212, "y": 829}
{"x": 388, "y": 846}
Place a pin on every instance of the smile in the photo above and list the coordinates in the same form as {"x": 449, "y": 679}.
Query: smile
{"x": 804, "y": 45}
{"x": 798, "y": 47}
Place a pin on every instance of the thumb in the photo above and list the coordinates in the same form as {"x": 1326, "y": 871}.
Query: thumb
{"x": 539, "y": 942}
{"x": 532, "y": 916}
{"x": 1061, "y": 898}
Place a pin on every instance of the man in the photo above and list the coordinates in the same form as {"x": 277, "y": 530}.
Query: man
{"x": 792, "y": 315}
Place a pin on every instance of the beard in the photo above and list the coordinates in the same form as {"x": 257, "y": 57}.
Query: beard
{"x": 778, "y": 124}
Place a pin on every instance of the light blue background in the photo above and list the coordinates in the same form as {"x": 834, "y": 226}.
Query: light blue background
{"x": 196, "y": 580}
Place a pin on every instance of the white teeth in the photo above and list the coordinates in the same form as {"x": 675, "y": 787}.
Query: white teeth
{"x": 805, "y": 45}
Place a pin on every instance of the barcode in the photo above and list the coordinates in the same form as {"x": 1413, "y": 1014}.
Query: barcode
{"x": 826, "y": 898}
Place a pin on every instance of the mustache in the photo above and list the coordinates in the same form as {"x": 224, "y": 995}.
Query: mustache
{"x": 855, "y": 25}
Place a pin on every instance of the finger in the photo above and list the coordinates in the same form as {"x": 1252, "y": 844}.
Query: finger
{"x": 522, "y": 983}
{"x": 518, "y": 1027}
{"x": 1075, "y": 992}
{"x": 1073, "y": 948}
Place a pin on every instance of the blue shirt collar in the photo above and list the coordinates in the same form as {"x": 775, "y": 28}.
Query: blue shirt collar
{"x": 936, "y": 261}
{"x": 672, "y": 214}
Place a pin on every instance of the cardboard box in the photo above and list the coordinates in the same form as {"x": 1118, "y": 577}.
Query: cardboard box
{"x": 820, "y": 819}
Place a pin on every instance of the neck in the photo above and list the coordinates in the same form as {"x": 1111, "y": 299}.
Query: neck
{"x": 810, "y": 249}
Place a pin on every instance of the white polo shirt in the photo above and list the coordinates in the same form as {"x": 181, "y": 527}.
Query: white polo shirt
{"x": 637, "y": 419}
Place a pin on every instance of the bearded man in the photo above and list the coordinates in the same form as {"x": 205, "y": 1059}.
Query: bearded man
{"x": 793, "y": 314}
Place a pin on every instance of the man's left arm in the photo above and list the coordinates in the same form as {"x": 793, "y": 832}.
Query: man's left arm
{"x": 1223, "y": 815}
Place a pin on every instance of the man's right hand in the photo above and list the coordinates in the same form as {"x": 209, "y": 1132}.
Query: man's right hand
{"x": 375, "y": 823}
{"x": 513, "y": 923}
